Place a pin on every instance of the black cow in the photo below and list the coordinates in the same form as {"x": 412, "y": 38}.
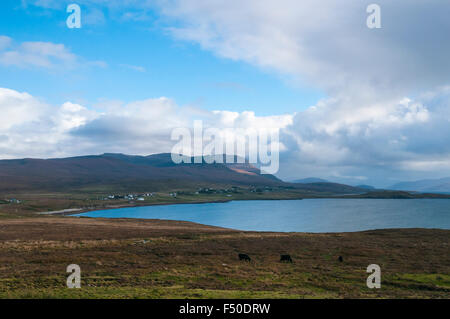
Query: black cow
{"x": 285, "y": 258}
{"x": 244, "y": 257}
{"x": 341, "y": 259}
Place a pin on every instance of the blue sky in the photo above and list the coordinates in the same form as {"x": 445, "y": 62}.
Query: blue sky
{"x": 141, "y": 61}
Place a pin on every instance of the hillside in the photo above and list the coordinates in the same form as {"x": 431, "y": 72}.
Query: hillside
{"x": 368, "y": 187}
{"x": 124, "y": 171}
{"x": 310, "y": 180}
{"x": 330, "y": 188}
{"x": 128, "y": 173}
{"x": 441, "y": 185}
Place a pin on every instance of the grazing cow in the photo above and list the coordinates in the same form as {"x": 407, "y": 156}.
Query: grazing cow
{"x": 244, "y": 257}
{"x": 341, "y": 259}
{"x": 285, "y": 258}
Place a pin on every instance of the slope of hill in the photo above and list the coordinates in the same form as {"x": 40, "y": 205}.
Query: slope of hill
{"x": 310, "y": 180}
{"x": 369, "y": 187}
{"x": 124, "y": 171}
{"x": 330, "y": 188}
{"x": 425, "y": 186}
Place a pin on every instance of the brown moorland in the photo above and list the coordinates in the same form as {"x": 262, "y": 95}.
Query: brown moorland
{"x": 126, "y": 258}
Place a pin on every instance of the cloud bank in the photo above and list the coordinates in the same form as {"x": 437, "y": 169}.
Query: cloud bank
{"x": 32, "y": 128}
{"x": 404, "y": 137}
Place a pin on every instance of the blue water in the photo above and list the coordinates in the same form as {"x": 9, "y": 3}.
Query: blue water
{"x": 309, "y": 215}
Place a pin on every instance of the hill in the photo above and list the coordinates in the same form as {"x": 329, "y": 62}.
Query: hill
{"x": 441, "y": 185}
{"x": 124, "y": 172}
{"x": 310, "y": 180}
{"x": 110, "y": 173}
{"x": 127, "y": 173}
{"x": 366, "y": 187}
{"x": 330, "y": 188}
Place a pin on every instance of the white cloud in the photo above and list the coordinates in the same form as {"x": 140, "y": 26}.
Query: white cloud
{"x": 403, "y": 137}
{"x": 17, "y": 108}
{"x": 138, "y": 16}
{"x": 71, "y": 116}
{"x": 34, "y": 128}
{"x": 4, "y": 42}
{"x": 327, "y": 44}
{"x": 38, "y": 54}
{"x": 395, "y": 137}
{"x": 134, "y": 67}
{"x": 93, "y": 17}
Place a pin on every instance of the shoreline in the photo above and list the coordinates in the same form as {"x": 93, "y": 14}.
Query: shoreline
{"x": 82, "y": 210}
{"x": 76, "y": 211}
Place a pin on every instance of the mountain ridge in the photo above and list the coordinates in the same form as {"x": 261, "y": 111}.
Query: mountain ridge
{"x": 111, "y": 173}
{"x": 150, "y": 171}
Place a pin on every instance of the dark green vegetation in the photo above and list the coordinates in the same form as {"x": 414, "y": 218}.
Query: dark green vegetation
{"x": 168, "y": 259}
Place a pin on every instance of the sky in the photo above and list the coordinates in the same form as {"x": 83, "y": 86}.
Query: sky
{"x": 353, "y": 104}
{"x": 120, "y": 56}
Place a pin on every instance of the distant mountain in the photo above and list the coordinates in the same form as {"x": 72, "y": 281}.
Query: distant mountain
{"x": 366, "y": 187}
{"x": 425, "y": 186}
{"x": 310, "y": 180}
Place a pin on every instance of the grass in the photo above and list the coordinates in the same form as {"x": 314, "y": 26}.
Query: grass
{"x": 169, "y": 259}
{"x": 174, "y": 292}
